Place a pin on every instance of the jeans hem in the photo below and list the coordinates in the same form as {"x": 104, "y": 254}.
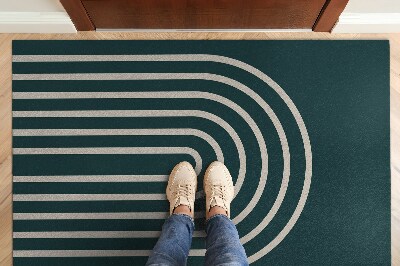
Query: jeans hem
{"x": 184, "y": 215}
{"x": 217, "y": 215}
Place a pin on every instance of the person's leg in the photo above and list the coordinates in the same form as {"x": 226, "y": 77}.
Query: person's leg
{"x": 222, "y": 242}
{"x": 173, "y": 246}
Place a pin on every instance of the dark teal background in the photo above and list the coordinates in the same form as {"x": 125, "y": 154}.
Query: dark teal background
{"x": 341, "y": 89}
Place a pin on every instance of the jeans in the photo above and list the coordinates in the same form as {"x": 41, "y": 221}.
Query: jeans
{"x": 222, "y": 243}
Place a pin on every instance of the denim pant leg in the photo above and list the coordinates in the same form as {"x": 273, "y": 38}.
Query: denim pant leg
{"x": 223, "y": 244}
{"x": 173, "y": 246}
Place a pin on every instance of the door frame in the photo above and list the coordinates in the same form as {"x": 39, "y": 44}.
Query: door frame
{"x": 325, "y": 21}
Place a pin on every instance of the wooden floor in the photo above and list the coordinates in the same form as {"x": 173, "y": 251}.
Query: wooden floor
{"x": 5, "y": 111}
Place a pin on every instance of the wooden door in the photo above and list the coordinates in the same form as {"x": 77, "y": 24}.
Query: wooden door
{"x": 319, "y": 15}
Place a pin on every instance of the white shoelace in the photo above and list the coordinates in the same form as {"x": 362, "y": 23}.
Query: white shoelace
{"x": 184, "y": 191}
{"x": 218, "y": 191}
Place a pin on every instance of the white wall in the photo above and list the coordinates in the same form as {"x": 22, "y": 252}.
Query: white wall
{"x": 369, "y": 16}
{"x": 34, "y": 16}
{"x": 31, "y": 6}
{"x": 372, "y": 6}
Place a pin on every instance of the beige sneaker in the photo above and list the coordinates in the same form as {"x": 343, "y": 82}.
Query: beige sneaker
{"x": 182, "y": 185}
{"x": 218, "y": 186}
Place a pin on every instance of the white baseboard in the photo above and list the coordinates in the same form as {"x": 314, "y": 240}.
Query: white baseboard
{"x": 36, "y": 22}
{"x": 367, "y": 23}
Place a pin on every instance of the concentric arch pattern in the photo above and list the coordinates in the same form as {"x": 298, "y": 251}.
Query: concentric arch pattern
{"x": 145, "y": 118}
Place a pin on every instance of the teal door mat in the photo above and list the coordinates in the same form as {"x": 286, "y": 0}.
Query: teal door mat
{"x": 303, "y": 127}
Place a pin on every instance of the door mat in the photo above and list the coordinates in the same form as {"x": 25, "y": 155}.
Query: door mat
{"x": 303, "y": 127}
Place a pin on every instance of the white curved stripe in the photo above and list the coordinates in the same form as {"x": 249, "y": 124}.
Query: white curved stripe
{"x": 202, "y": 76}
{"x": 306, "y": 143}
{"x": 122, "y": 132}
{"x": 92, "y": 178}
{"x": 116, "y": 150}
{"x": 154, "y": 131}
{"x": 93, "y": 253}
{"x": 152, "y": 113}
{"x": 164, "y": 95}
{"x": 224, "y": 60}
{"x": 79, "y": 253}
{"x": 96, "y": 234}
{"x": 96, "y": 215}
{"x": 87, "y": 197}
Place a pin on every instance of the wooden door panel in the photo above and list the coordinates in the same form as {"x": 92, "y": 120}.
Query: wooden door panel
{"x": 203, "y": 14}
